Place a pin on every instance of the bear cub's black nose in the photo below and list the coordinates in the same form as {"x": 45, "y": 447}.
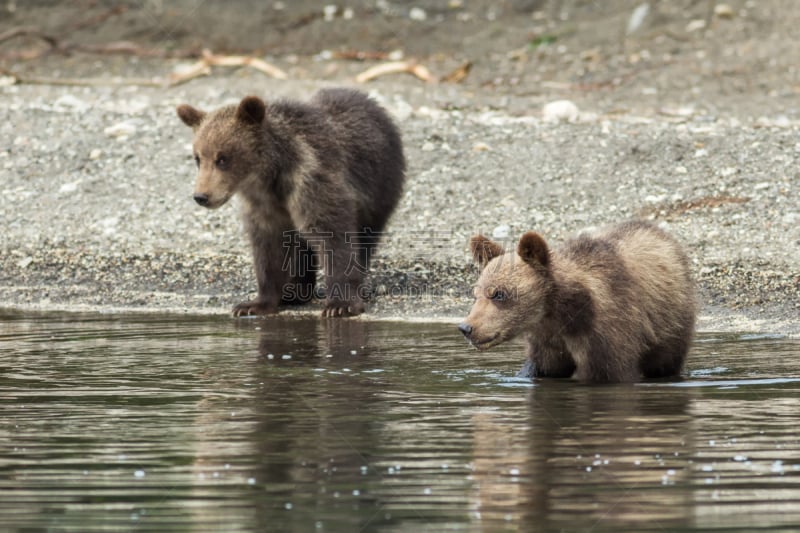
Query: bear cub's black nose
{"x": 201, "y": 199}
{"x": 465, "y": 328}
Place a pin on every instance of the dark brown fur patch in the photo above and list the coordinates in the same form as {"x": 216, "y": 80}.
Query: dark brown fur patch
{"x": 251, "y": 110}
{"x": 533, "y": 249}
{"x": 329, "y": 171}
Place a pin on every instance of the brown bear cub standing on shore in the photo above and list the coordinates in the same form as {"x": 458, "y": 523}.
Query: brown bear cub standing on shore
{"x": 318, "y": 183}
{"x": 612, "y": 307}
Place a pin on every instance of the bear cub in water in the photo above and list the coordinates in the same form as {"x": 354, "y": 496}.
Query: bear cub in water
{"x": 611, "y": 307}
{"x": 318, "y": 182}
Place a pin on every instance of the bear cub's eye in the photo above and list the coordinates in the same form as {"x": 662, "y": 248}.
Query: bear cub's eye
{"x": 197, "y": 160}
{"x": 499, "y": 295}
{"x": 222, "y": 162}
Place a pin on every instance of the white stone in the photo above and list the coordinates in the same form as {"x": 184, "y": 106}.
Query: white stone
{"x": 695, "y": 25}
{"x": 501, "y": 232}
{"x": 329, "y": 12}
{"x": 560, "y": 110}
{"x": 120, "y": 130}
{"x": 723, "y": 11}
{"x": 67, "y": 102}
{"x": 69, "y": 187}
{"x": 417, "y": 13}
{"x": 637, "y": 17}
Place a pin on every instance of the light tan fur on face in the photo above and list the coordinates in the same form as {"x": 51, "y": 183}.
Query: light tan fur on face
{"x": 217, "y": 137}
{"x": 226, "y": 136}
{"x": 495, "y": 321}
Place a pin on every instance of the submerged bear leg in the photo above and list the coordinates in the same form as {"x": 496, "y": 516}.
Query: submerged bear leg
{"x": 666, "y": 359}
{"x": 547, "y": 358}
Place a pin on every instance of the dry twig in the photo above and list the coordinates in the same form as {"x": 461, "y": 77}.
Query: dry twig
{"x": 22, "y": 31}
{"x": 208, "y": 60}
{"x": 459, "y": 74}
{"x": 410, "y": 67}
{"x": 80, "y": 82}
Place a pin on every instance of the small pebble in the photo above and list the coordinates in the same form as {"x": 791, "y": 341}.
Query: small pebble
{"x": 417, "y": 13}
{"x": 121, "y": 130}
{"x": 329, "y": 12}
{"x": 560, "y": 111}
{"x": 501, "y": 232}
{"x": 724, "y": 11}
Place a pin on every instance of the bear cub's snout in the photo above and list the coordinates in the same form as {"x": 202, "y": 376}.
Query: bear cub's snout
{"x": 201, "y": 199}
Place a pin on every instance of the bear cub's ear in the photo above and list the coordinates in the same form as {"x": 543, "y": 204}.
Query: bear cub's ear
{"x": 533, "y": 249}
{"x": 484, "y": 250}
{"x": 251, "y": 110}
{"x": 190, "y": 116}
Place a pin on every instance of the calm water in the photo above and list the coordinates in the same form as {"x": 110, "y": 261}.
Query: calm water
{"x": 166, "y": 423}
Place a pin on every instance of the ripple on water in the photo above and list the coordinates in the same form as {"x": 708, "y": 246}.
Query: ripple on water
{"x": 186, "y": 423}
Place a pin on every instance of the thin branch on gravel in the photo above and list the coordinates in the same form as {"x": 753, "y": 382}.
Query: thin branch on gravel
{"x": 410, "y": 67}
{"x": 200, "y": 68}
{"x": 208, "y": 60}
{"x": 32, "y": 31}
{"x": 459, "y": 74}
{"x": 671, "y": 210}
{"x": 81, "y": 82}
{"x": 61, "y": 46}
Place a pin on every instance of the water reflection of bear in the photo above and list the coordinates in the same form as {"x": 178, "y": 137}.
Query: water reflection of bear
{"x": 312, "y": 439}
{"x": 587, "y": 457}
{"x": 306, "y": 339}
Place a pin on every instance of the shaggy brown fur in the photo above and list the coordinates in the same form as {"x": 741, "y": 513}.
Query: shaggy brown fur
{"x": 331, "y": 170}
{"x": 612, "y": 307}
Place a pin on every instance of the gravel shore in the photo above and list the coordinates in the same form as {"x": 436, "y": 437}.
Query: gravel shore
{"x": 97, "y": 214}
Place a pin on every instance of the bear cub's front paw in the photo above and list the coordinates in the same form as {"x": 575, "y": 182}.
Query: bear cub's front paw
{"x": 254, "y": 308}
